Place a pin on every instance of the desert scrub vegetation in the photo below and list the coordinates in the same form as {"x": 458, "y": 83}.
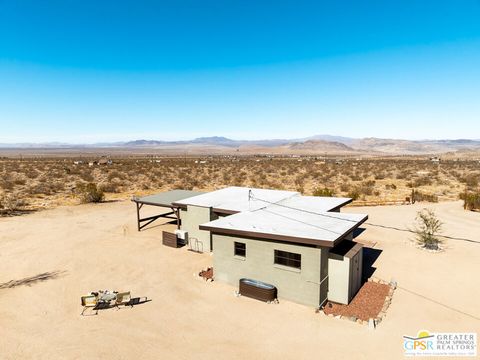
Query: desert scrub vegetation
{"x": 428, "y": 229}
{"x": 471, "y": 199}
{"x": 11, "y": 204}
{"x": 89, "y": 193}
{"x": 323, "y": 192}
{"x": 420, "y": 196}
{"x": 53, "y": 180}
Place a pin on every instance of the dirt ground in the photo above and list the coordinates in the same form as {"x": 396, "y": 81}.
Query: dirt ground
{"x": 55, "y": 256}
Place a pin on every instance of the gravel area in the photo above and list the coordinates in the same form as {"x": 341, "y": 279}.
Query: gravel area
{"x": 365, "y": 305}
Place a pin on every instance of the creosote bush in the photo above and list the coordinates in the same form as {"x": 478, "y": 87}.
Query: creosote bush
{"x": 323, "y": 192}
{"x": 471, "y": 200}
{"x": 354, "y": 194}
{"x": 420, "y": 196}
{"x": 427, "y": 229}
{"x": 90, "y": 193}
{"x": 10, "y": 204}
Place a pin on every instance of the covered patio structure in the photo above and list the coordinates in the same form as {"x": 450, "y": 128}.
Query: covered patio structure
{"x": 165, "y": 200}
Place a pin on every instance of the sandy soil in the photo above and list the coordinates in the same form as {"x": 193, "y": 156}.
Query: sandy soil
{"x": 83, "y": 248}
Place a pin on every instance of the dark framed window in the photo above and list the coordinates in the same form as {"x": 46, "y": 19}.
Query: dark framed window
{"x": 288, "y": 259}
{"x": 240, "y": 249}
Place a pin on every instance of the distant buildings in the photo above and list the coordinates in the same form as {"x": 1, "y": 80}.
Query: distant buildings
{"x": 102, "y": 161}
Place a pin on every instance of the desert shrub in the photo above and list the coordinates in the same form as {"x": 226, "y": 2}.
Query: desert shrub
{"x": 420, "y": 196}
{"x": 6, "y": 184}
{"x": 115, "y": 175}
{"x": 47, "y": 186}
{"x": 110, "y": 187}
{"x": 90, "y": 193}
{"x": 471, "y": 200}
{"x": 87, "y": 176}
{"x": 11, "y": 203}
{"x": 354, "y": 194}
{"x": 227, "y": 177}
{"x": 471, "y": 180}
{"x": 299, "y": 183}
{"x": 323, "y": 192}
{"x": 31, "y": 173}
{"x": 19, "y": 181}
{"x": 391, "y": 186}
{"x": 145, "y": 185}
{"x": 422, "y": 181}
{"x": 344, "y": 187}
{"x": 427, "y": 229}
{"x": 40, "y": 189}
{"x": 182, "y": 184}
{"x": 366, "y": 187}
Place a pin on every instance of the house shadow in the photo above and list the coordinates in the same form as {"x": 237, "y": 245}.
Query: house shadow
{"x": 31, "y": 280}
{"x": 370, "y": 255}
{"x": 358, "y": 231}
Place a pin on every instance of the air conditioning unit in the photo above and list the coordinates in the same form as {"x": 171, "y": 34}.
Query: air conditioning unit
{"x": 182, "y": 235}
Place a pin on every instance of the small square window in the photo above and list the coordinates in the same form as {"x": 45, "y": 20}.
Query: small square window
{"x": 240, "y": 249}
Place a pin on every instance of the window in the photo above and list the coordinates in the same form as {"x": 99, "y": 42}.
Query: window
{"x": 240, "y": 249}
{"x": 288, "y": 259}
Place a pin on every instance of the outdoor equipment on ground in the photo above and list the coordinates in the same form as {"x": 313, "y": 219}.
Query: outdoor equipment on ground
{"x": 105, "y": 299}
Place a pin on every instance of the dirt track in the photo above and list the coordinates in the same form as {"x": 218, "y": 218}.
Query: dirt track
{"x": 55, "y": 256}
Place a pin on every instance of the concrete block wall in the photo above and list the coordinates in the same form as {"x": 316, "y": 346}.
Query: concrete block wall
{"x": 191, "y": 220}
{"x": 299, "y": 285}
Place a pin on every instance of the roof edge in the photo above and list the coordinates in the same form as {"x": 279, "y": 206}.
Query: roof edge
{"x": 267, "y": 236}
{"x": 287, "y": 238}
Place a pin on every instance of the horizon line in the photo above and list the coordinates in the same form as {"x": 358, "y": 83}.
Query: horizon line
{"x": 306, "y": 138}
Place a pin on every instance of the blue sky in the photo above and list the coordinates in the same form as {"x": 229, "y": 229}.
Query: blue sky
{"x": 89, "y": 71}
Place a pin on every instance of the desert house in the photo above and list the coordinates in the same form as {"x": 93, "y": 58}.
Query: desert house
{"x": 300, "y": 244}
{"x": 104, "y": 161}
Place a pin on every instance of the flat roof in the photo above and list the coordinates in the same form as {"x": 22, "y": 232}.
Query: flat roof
{"x": 277, "y": 222}
{"x": 315, "y": 203}
{"x": 235, "y": 199}
{"x": 167, "y": 198}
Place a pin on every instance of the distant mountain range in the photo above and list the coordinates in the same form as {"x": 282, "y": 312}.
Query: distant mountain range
{"x": 309, "y": 145}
